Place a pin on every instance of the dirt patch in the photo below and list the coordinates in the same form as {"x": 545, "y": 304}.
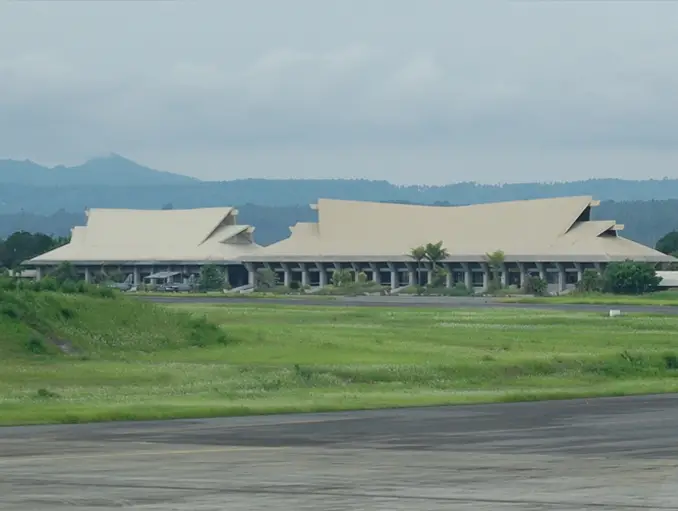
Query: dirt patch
{"x": 64, "y": 345}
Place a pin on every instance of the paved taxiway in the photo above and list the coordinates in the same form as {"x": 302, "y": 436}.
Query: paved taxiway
{"x": 414, "y": 301}
{"x": 609, "y": 454}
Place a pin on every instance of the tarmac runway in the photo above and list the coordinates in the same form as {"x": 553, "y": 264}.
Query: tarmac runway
{"x": 415, "y": 301}
{"x": 605, "y": 454}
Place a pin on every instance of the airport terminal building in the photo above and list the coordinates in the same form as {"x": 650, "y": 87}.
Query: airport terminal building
{"x": 553, "y": 238}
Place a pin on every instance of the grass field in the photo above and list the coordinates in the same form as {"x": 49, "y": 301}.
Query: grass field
{"x": 131, "y": 360}
{"x": 667, "y": 298}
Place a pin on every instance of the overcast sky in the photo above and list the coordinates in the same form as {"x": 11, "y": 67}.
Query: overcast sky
{"x": 426, "y": 91}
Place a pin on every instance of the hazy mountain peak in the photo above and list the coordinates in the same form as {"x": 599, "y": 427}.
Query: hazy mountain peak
{"x": 108, "y": 170}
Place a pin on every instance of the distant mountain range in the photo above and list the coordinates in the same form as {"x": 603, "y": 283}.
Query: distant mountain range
{"x": 115, "y": 181}
{"x": 52, "y": 200}
{"x": 113, "y": 170}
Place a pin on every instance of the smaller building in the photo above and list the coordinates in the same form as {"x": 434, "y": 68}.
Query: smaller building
{"x": 142, "y": 243}
{"x": 669, "y": 279}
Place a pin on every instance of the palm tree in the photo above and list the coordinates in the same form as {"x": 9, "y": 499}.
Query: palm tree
{"x": 495, "y": 261}
{"x": 418, "y": 254}
{"x": 435, "y": 252}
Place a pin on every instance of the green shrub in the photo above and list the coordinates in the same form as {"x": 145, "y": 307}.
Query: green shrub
{"x": 212, "y": 278}
{"x": 266, "y": 278}
{"x": 203, "y": 333}
{"x": 65, "y": 271}
{"x": 102, "y": 292}
{"x": 534, "y": 285}
{"x": 68, "y": 286}
{"x": 9, "y": 310}
{"x": 36, "y": 345}
{"x": 591, "y": 282}
{"x": 46, "y": 394}
{"x": 439, "y": 279}
{"x": 7, "y": 283}
{"x": 342, "y": 277}
{"x": 46, "y": 284}
{"x": 459, "y": 289}
{"x": 629, "y": 277}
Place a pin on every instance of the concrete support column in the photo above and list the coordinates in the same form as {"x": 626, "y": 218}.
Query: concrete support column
{"x": 337, "y": 267}
{"x": 562, "y": 277}
{"x": 580, "y": 271}
{"x": 376, "y": 276}
{"x": 394, "y": 276}
{"x": 287, "y": 275}
{"x": 251, "y": 276}
{"x": 137, "y": 276}
{"x": 523, "y": 274}
{"x": 38, "y": 272}
{"x": 322, "y": 274}
{"x": 468, "y": 278}
{"x": 356, "y": 271}
{"x": 411, "y": 275}
{"x": 504, "y": 275}
{"x": 267, "y": 266}
{"x": 486, "y": 276}
{"x": 449, "y": 278}
{"x": 542, "y": 271}
{"x": 88, "y": 275}
{"x": 599, "y": 268}
{"x": 429, "y": 274}
{"x": 304, "y": 275}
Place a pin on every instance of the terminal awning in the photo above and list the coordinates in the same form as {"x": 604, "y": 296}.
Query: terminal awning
{"x": 163, "y": 275}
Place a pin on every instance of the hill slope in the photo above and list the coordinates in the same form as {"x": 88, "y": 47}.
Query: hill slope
{"x": 129, "y": 191}
{"x": 44, "y": 325}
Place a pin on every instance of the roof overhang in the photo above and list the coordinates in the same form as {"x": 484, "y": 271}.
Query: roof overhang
{"x": 163, "y": 275}
{"x": 131, "y": 262}
{"x": 461, "y": 258}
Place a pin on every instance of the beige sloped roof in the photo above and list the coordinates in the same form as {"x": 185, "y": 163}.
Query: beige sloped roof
{"x": 207, "y": 234}
{"x": 540, "y": 229}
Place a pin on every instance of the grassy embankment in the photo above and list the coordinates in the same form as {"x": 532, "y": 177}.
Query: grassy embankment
{"x": 663, "y": 298}
{"x": 125, "y": 359}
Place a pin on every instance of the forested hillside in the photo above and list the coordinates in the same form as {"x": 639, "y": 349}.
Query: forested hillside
{"x": 45, "y": 200}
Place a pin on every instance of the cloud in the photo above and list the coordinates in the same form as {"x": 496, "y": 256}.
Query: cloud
{"x": 202, "y": 76}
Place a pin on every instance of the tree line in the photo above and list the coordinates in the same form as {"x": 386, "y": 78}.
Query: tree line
{"x": 22, "y": 245}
